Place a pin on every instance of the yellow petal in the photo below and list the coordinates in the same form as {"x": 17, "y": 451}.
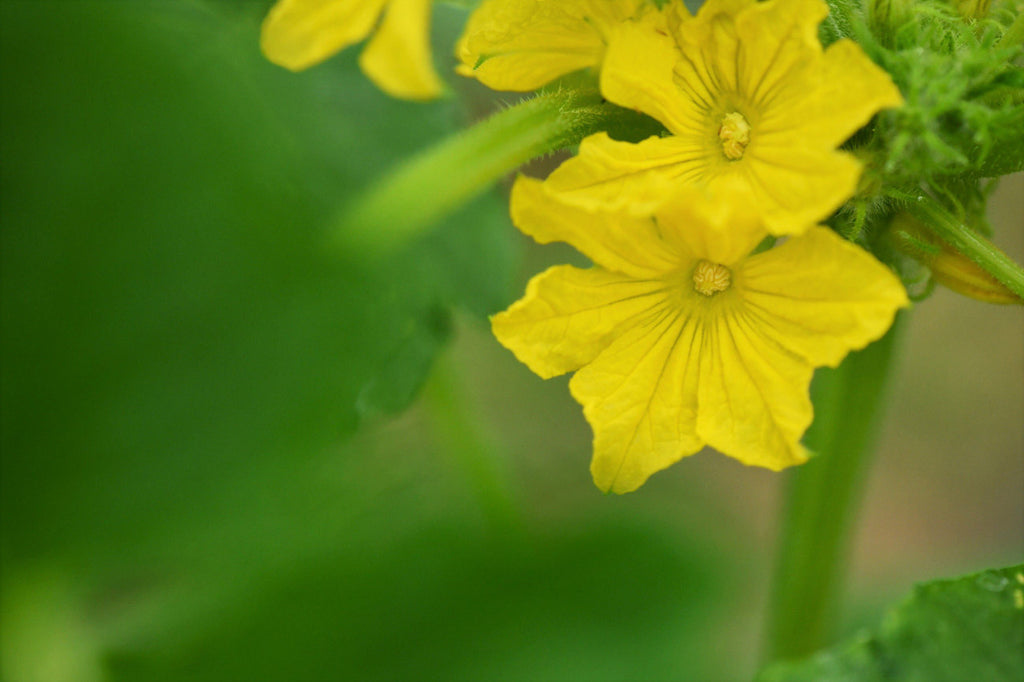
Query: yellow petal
{"x": 522, "y": 44}
{"x": 608, "y": 175}
{"x": 709, "y": 10}
{"x": 300, "y": 33}
{"x": 852, "y": 89}
{"x": 796, "y": 186}
{"x": 639, "y": 396}
{"x": 675, "y": 13}
{"x": 779, "y": 47}
{"x": 753, "y": 396}
{"x": 720, "y": 225}
{"x": 955, "y": 271}
{"x": 638, "y": 74}
{"x": 398, "y": 57}
{"x": 710, "y": 50}
{"x": 820, "y": 296}
{"x": 615, "y": 241}
{"x": 569, "y": 315}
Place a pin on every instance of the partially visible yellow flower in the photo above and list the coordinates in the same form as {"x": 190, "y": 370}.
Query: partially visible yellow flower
{"x": 747, "y": 93}
{"x": 522, "y": 44}
{"x": 680, "y": 338}
{"x": 300, "y": 33}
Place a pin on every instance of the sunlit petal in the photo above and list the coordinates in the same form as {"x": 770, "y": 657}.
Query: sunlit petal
{"x": 569, "y": 315}
{"x": 820, "y": 296}
{"x": 851, "y": 90}
{"x": 610, "y": 175}
{"x": 522, "y": 44}
{"x": 638, "y": 74}
{"x": 398, "y": 57}
{"x": 719, "y": 225}
{"x": 617, "y": 242}
{"x": 300, "y": 33}
{"x": 778, "y": 53}
{"x": 753, "y": 395}
{"x": 639, "y": 396}
{"x": 797, "y": 185}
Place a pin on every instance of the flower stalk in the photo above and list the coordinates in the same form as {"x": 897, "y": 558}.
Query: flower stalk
{"x": 966, "y": 241}
{"x": 821, "y": 499}
{"x": 426, "y": 188}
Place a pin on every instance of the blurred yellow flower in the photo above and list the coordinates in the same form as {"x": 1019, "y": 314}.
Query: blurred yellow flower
{"x": 747, "y": 93}
{"x": 300, "y": 33}
{"x": 522, "y": 44}
{"x": 681, "y": 338}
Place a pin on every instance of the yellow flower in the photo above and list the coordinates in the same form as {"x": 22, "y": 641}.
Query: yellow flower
{"x": 747, "y": 93}
{"x": 681, "y": 338}
{"x": 522, "y": 44}
{"x": 300, "y": 33}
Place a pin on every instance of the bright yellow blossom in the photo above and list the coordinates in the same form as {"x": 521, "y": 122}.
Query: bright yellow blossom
{"x": 522, "y": 44}
{"x": 300, "y": 33}
{"x": 747, "y": 93}
{"x": 681, "y": 338}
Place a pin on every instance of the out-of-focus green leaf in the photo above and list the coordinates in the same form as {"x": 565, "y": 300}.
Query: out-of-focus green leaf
{"x": 971, "y": 628}
{"x": 449, "y": 601}
{"x": 185, "y": 361}
{"x": 172, "y": 311}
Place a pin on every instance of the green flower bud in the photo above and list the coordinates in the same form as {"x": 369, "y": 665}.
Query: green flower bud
{"x": 949, "y": 267}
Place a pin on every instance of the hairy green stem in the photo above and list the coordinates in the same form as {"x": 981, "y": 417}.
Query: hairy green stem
{"x": 821, "y": 499}
{"x": 427, "y": 187}
{"x": 979, "y": 250}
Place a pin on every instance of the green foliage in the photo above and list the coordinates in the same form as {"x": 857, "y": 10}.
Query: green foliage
{"x": 172, "y": 314}
{"x": 962, "y": 120}
{"x": 186, "y": 356}
{"x": 971, "y": 628}
{"x": 964, "y": 91}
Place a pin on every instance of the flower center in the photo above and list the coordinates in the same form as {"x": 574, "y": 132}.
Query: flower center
{"x": 734, "y": 134}
{"x": 711, "y": 278}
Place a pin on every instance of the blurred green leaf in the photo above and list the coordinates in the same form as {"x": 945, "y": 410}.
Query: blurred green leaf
{"x": 971, "y": 628}
{"x": 600, "y": 602}
{"x": 184, "y": 493}
{"x": 171, "y": 310}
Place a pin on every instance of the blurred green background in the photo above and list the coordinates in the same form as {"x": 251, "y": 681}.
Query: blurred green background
{"x": 217, "y": 459}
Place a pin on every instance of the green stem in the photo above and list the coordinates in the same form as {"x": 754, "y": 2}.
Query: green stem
{"x": 429, "y": 186}
{"x": 473, "y": 452}
{"x": 821, "y": 497}
{"x": 979, "y": 250}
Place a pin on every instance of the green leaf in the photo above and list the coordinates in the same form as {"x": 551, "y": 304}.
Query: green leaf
{"x": 173, "y": 311}
{"x": 451, "y": 602}
{"x": 971, "y": 628}
{"x": 404, "y": 371}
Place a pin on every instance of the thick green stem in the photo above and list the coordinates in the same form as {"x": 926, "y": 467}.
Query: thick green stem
{"x": 429, "y": 186}
{"x": 820, "y": 500}
{"x": 979, "y": 250}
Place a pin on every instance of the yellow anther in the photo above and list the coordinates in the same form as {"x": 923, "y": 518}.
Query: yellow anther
{"x": 711, "y": 278}
{"x": 734, "y": 134}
